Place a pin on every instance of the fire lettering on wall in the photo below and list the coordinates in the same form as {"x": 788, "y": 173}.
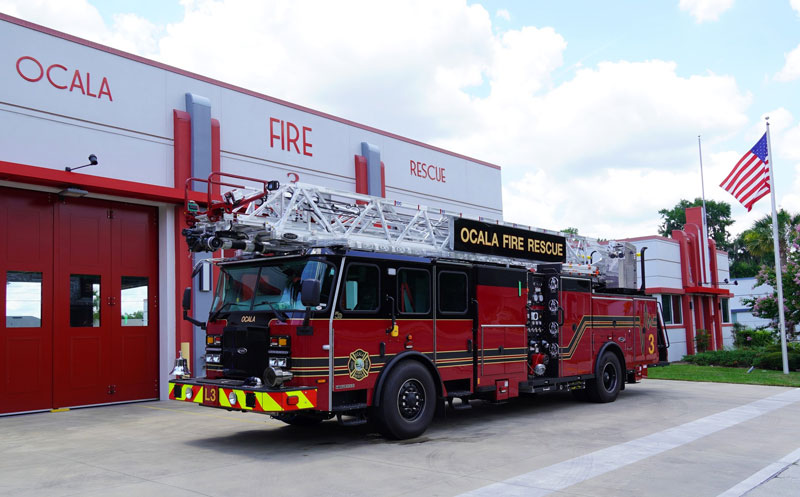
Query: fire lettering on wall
{"x": 286, "y": 135}
{"x": 33, "y": 71}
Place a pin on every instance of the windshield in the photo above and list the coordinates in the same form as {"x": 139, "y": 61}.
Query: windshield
{"x": 271, "y": 286}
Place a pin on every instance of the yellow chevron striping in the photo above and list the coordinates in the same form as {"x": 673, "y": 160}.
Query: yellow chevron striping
{"x": 267, "y": 402}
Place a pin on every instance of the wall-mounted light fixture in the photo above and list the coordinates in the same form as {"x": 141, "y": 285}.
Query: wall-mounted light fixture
{"x": 92, "y": 162}
{"x": 72, "y": 191}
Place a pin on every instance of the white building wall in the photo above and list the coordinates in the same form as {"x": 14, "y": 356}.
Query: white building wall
{"x": 740, "y": 313}
{"x": 130, "y": 127}
{"x": 662, "y": 261}
{"x": 677, "y": 343}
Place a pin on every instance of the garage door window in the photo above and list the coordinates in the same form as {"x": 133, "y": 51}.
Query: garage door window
{"x": 134, "y": 301}
{"x": 23, "y": 299}
{"x": 84, "y": 300}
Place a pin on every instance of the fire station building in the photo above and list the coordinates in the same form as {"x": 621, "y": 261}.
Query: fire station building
{"x": 92, "y": 258}
{"x": 693, "y": 290}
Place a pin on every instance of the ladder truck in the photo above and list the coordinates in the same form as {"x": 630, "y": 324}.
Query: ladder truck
{"x": 337, "y": 304}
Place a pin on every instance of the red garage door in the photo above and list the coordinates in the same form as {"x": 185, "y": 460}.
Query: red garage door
{"x": 80, "y": 316}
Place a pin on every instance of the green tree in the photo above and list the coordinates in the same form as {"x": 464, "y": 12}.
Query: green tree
{"x": 570, "y": 231}
{"x": 744, "y": 264}
{"x": 767, "y": 306}
{"x": 758, "y": 239}
{"x": 718, "y": 218}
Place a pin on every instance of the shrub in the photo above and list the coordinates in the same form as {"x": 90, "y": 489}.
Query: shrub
{"x": 774, "y": 360}
{"x": 747, "y": 337}
{"x": 730, "y": 358}
{"x": 702, "y": 340}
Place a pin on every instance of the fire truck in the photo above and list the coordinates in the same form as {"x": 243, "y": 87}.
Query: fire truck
{"x": 338, "y": 304}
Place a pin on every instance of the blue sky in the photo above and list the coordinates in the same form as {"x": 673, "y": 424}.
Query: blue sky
{"x": 748, "y": 41}
{"x": 592, "y": 109}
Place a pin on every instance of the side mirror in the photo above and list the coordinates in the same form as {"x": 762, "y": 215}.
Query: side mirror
{"x": 310, "y": 293}
{"x": 187, "y": 298}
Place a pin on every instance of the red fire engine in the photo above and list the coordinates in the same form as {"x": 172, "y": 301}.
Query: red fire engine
{"x": 362, "y": 308}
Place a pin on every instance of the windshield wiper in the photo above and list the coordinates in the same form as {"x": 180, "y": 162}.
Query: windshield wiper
{"x": 216, "y": 313}
{"x": 282, "y": 316}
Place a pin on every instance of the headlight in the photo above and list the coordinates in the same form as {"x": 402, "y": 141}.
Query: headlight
{"x": 213, "y": 358}
{"x": 277, "y": 362}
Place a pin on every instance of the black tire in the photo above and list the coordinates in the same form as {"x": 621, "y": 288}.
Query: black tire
{"x": 298, "y": 419}
{"x": 606, "y": 385}
{"x": 408, "y": 401}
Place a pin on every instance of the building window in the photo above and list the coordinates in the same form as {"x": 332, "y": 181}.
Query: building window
{"x": 671, "y": 305}
{"x": 133, "y": 301}
{"x": 726, "y": 312}
{"x": 84, "y": 300}
{"x": 23, "y": 299}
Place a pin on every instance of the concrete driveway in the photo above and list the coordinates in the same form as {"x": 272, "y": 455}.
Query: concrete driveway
{"x": 660, "y": 438}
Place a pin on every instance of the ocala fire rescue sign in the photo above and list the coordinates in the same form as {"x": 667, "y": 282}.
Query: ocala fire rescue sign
{"x": 492, "y": 239}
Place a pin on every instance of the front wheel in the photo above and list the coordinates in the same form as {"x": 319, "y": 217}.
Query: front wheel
{"x": 408, "y": 401}
{"x": 606, "y": 385}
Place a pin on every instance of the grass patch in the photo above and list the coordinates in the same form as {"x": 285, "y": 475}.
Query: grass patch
{"x": 716, "y": 374}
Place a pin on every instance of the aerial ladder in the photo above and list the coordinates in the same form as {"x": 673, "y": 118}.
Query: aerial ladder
{"x": 256, "y": 216}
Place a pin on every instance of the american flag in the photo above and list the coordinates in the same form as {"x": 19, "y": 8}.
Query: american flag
{"x": 749, "y": 180}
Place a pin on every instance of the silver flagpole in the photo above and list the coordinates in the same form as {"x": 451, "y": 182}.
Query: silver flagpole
{"x": 778, "y": 271}
{"x": 707, "y": 267}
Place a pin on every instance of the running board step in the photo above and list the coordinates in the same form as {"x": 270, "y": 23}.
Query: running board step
{"x": 462, "y": 406}
{"x": 351, "y": 420}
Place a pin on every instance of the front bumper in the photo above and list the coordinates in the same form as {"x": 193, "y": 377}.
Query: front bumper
{"x": 220, "y": 393}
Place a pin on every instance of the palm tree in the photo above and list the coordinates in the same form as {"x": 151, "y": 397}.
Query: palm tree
{"x": 758, "y": 239}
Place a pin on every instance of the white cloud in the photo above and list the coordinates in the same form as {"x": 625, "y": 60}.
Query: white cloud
{"x": 128, "y": 32}
{"x": 706, "y": 10}
{"x": 795, "y": 5}
{"x": 503, "y": 14}
{"x": 602, "y": 151}
{"x": 791, "y": 68}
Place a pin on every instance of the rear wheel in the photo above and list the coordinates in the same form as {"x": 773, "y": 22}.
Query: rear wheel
{"x": 606, "y": 385}
{"x": 408, "y": 401}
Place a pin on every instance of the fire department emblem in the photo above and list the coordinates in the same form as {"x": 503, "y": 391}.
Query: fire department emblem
{"x": 358, "y": 365}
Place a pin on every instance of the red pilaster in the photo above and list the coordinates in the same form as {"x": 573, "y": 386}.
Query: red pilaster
{"x": 383, "y": 180}
{"x": 715, "y": 302}
{"x": 215, "y": 167}
{"x": 688, "y": 321}
{"x": 683, "y": 243}
{"x": 712, "y": 254}
{"x": 361, "y": 174}
{"x": 183, "y": 264}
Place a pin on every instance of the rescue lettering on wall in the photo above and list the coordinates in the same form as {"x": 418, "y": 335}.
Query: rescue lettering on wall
{"x": 485, "y": 238}
{"x": 427, "y": 171}
{"x": 33, "y": 71}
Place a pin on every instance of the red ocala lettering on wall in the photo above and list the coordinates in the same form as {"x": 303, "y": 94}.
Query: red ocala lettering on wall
{"x": 287, "y": 133}
{"x": 427, "y": 171}
{"x": 57, "y": 75}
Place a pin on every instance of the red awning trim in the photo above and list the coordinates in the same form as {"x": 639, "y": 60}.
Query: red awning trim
{"x": 23, "y": 173}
